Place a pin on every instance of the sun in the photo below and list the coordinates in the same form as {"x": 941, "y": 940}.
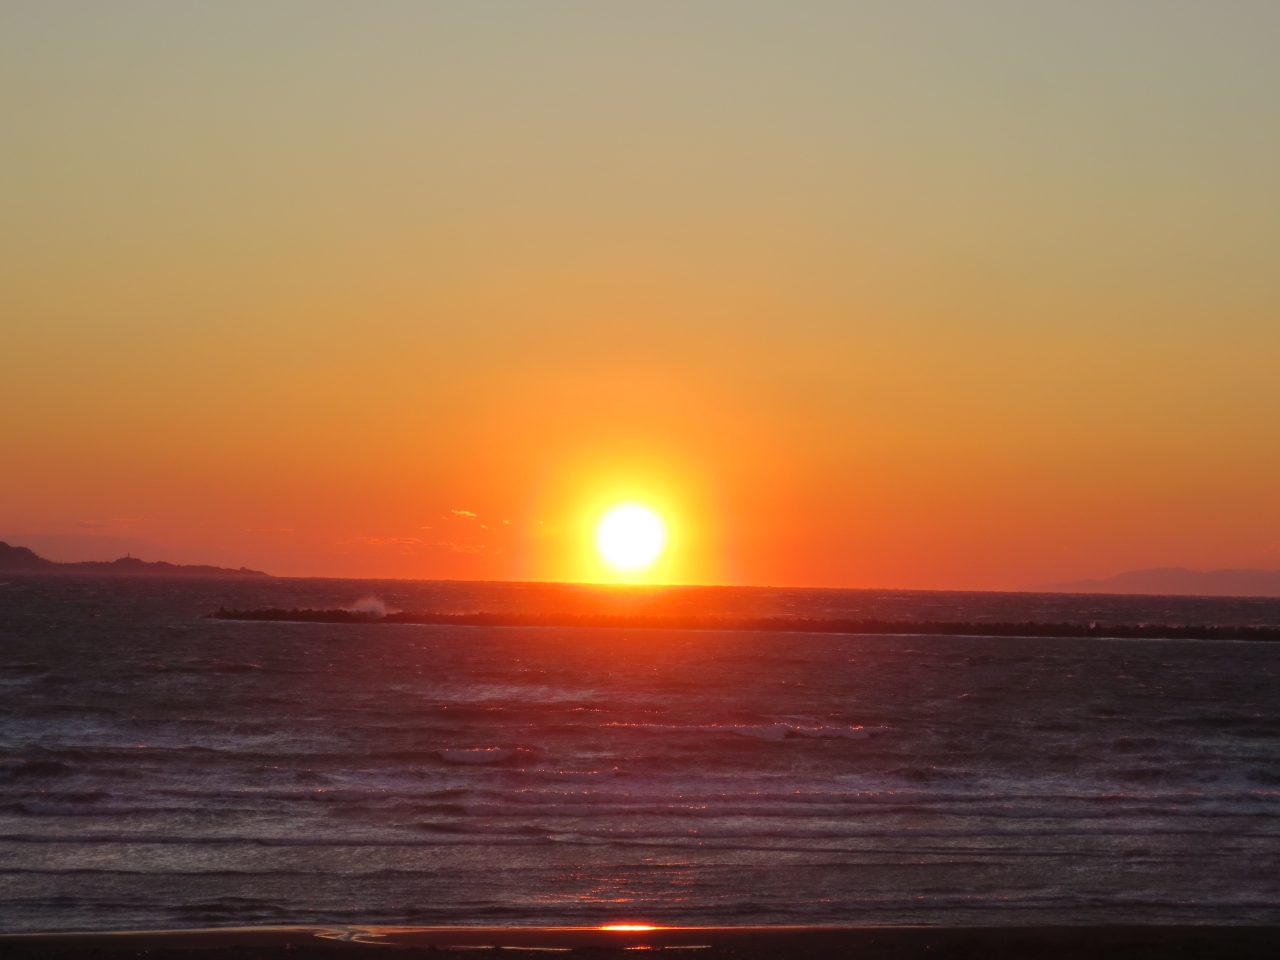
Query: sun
{"x": 630, "y": 537}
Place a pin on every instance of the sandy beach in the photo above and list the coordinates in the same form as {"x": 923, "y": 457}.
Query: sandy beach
{"x": 741, "y": 943}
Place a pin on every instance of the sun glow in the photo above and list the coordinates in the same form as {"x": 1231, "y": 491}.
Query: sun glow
{"x": 629, "y": 927}
{"x": 630, "y": 537}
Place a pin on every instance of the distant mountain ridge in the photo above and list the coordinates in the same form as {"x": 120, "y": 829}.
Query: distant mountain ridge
{"x": 24, "y": 560}
{"x": 1179, "y": 581}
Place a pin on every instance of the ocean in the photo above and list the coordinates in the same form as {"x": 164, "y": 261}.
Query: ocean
{"x": 160, "y": 770}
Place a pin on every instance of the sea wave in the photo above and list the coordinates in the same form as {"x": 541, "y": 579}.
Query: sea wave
{"x": 758, "y": 731}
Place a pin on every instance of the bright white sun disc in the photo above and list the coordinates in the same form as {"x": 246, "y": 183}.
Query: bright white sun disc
{"x": 630, "y": 537}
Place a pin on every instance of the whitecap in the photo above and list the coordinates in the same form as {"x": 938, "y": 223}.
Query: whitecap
{"x": 476, "y": 755}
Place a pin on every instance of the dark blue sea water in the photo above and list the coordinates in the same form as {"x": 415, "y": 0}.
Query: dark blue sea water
{"x": 162, "y": 770}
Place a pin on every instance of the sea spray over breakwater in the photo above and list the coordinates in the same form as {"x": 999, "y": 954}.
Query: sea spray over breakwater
{"x": 158, "y": 769}
{"x": 370, "y": 607}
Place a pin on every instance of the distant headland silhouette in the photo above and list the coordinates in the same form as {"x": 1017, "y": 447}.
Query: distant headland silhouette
{"x": 1177, "y": 581}
{"x": 23, "y": 560}
{"x": 1158, "y": 581}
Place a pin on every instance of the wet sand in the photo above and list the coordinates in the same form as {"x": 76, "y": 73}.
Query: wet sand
{"x": 722, "y": 943}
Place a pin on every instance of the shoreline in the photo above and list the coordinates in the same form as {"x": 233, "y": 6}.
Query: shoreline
{"x": 1095, "y": 942}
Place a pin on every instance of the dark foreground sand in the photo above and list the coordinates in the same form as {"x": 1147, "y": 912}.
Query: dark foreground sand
{"x": 695, "y": 943}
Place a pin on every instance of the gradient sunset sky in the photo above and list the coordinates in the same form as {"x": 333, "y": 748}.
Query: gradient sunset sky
{"x": 940, "y": 295}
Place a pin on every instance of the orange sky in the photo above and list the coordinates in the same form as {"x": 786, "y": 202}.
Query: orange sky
{"x": 922, "y": 295}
